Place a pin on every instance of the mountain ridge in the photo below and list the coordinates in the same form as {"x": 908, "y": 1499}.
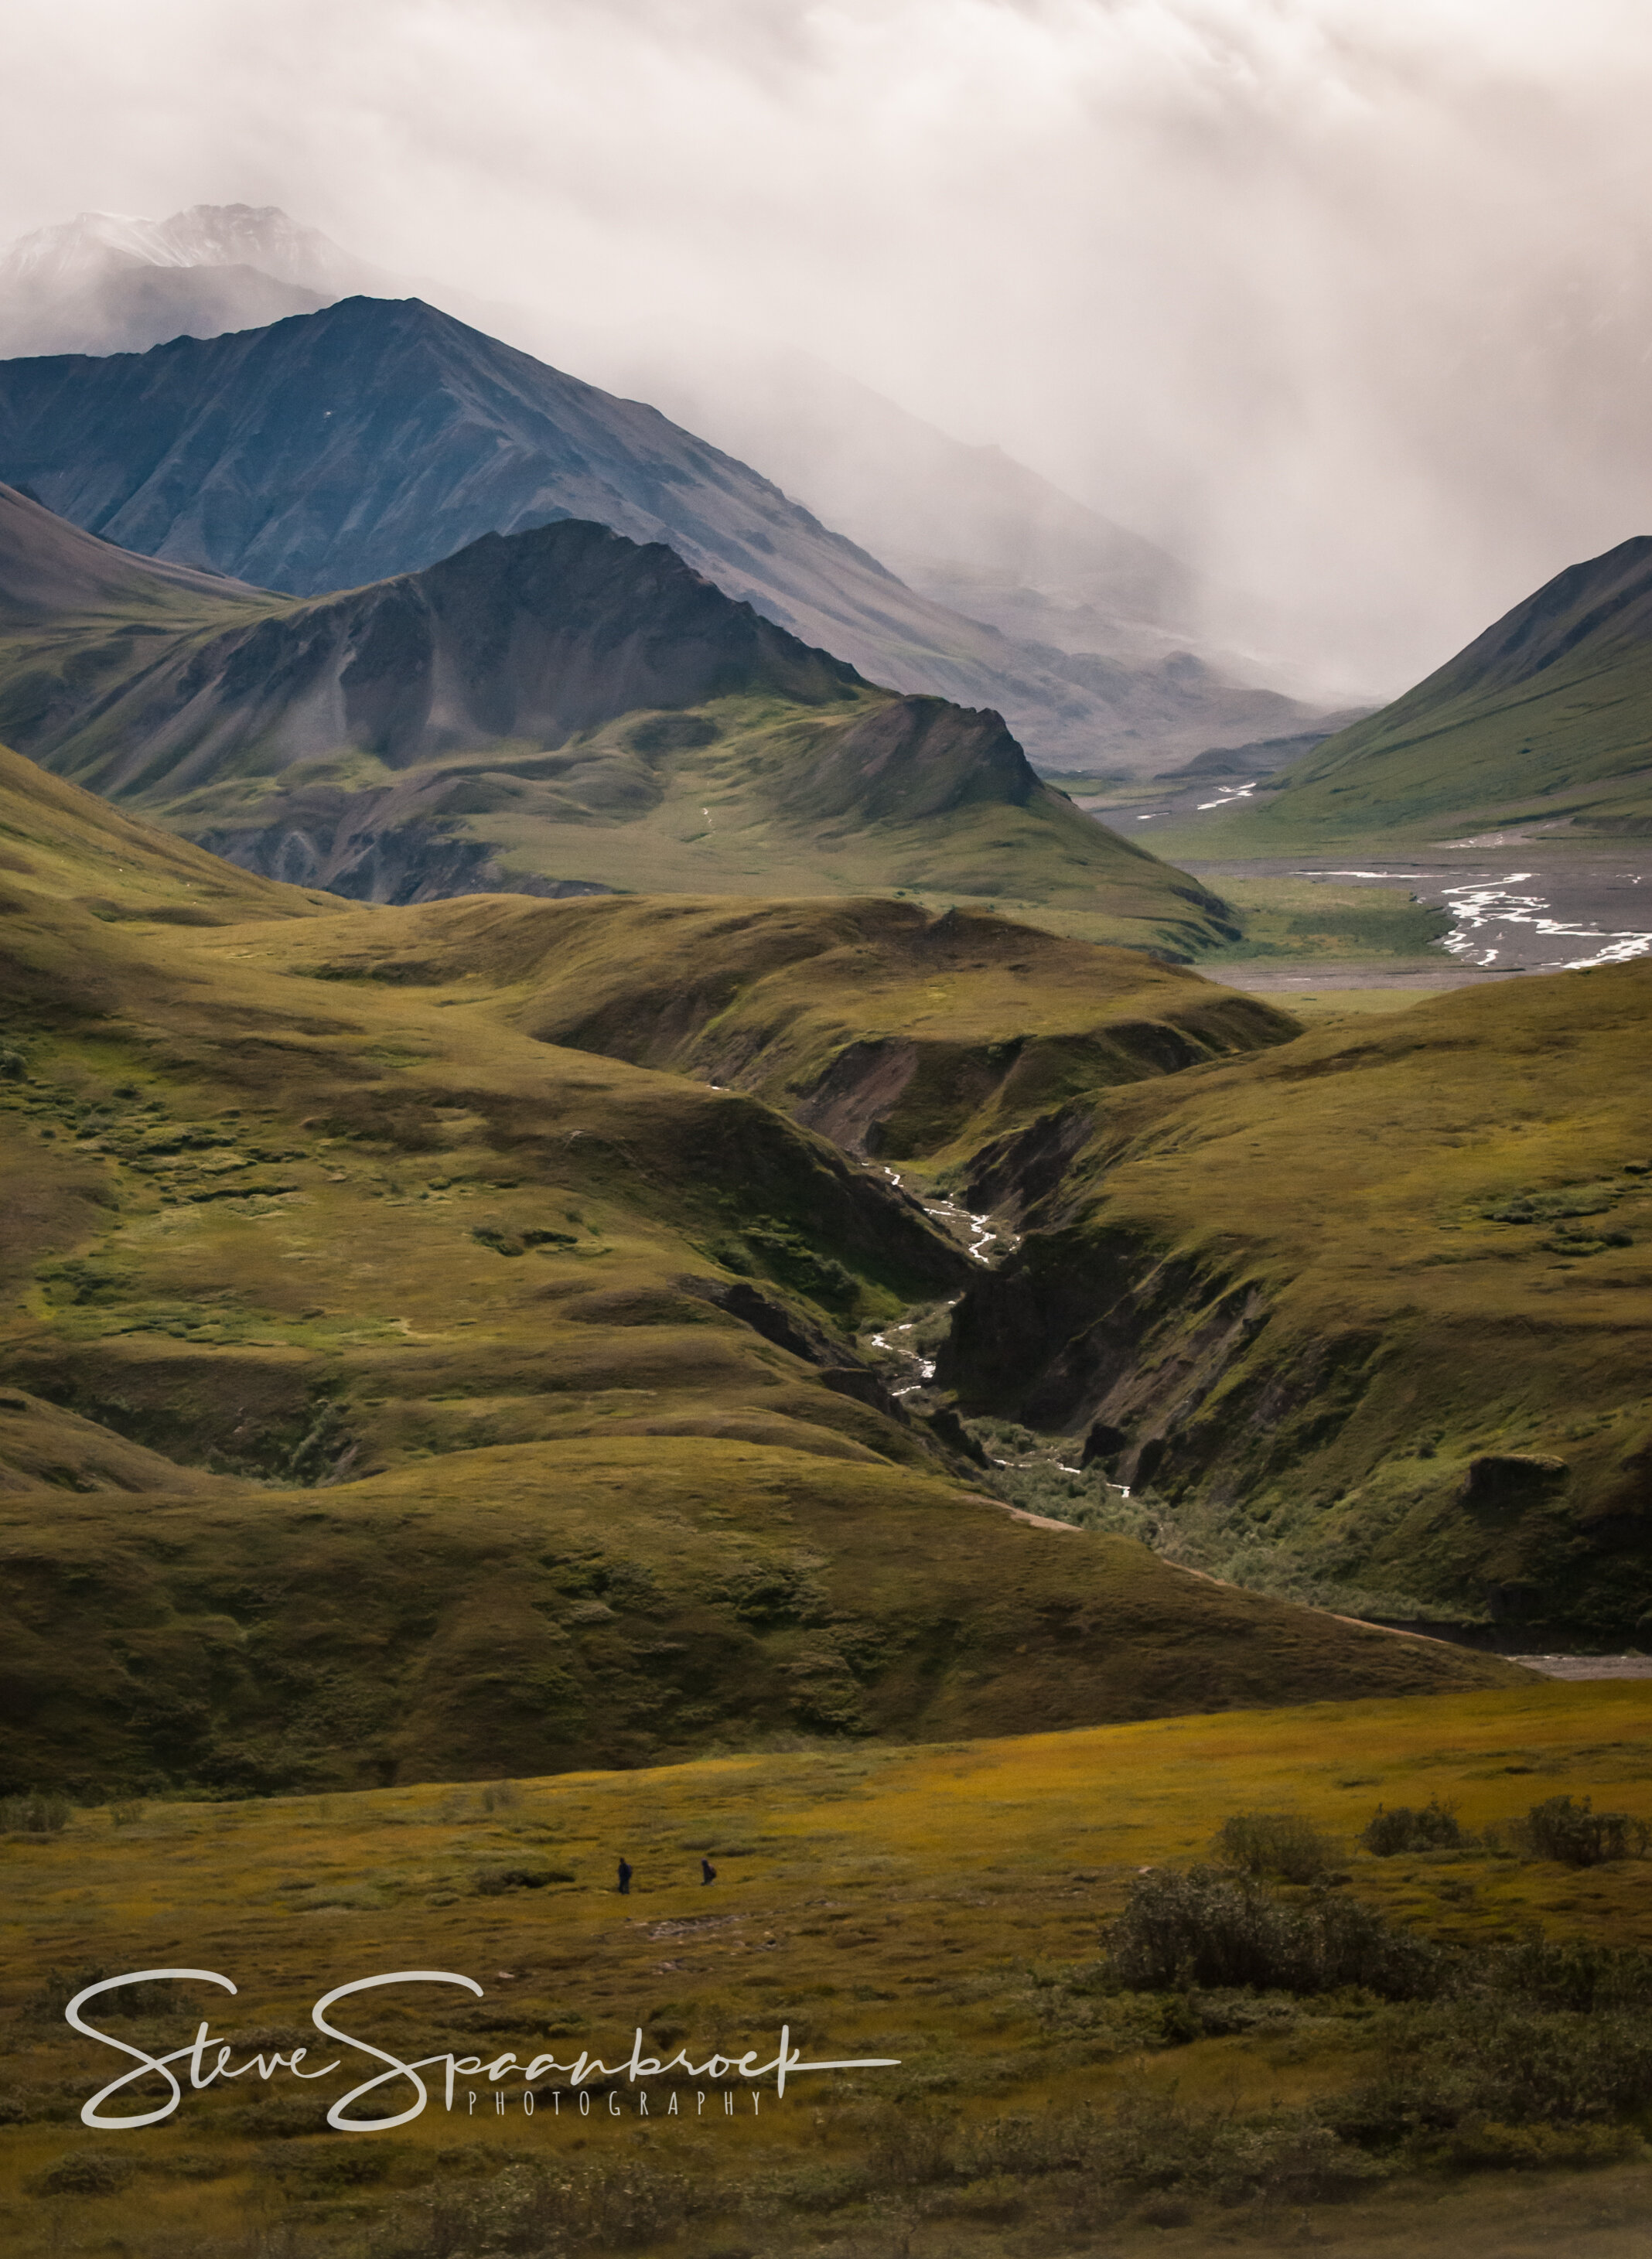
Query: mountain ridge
{"x": 373, "y": 436}
{"x": 557, "y": 711}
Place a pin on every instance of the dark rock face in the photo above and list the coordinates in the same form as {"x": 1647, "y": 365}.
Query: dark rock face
{"x": 531, "y": 638}
{"x": 1104, "y": 1443}
{"x": 1507, "y": 1482}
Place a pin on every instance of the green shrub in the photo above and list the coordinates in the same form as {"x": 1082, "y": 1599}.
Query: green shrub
{"x": 1579, "y": 1837}
{"x": 1433, "y": 1828}
{"x": 494, "y": 1882}
{"x": 1281, "y": 1843}
{"x": 1482, "y": 2060}
{"x": 35, "y": 1814}
{"x": 1574, "y": 1974}
{"x": 85, "y": 2172}
{"x": 1209, "y": 1928}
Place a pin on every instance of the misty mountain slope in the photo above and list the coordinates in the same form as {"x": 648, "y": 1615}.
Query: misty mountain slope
{"x": 375, "y": 437}
{"x": 913, "y": 496}
{"x": 1545, "y": 717}
{"x": 106, "y": 283}
{"x": 94, "y": 244}
{"x": 142, "y": 306}
{"x": 560, "y": 711}
{"x": 968, "y": 527}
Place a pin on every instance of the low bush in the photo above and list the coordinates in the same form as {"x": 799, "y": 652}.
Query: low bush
{"x": 1485, "y": 2061}
{"x": 1433, "y": 1828}
{"x": 1281, "y": 1843}
{"x": 1578, "y": 1836}
{"x": 1210, "y": 1929}
{"x": 35, "y": 1814}
{"x": 85, "y": 2172}
{"x": 1574, "y": 1974}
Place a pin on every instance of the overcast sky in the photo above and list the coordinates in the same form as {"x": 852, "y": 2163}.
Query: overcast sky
{"x": 1350, "y": 301}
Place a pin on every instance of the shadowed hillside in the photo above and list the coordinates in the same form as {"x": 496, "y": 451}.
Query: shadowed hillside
{"x": 557, "y": 712}
{"x": 510, "y": 1387}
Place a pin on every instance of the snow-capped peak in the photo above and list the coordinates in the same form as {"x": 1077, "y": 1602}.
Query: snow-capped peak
{"x": 90, "y": 246}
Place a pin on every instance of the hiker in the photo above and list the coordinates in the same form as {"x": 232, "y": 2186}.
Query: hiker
{"x": 624, "y": 1879}
{"x": 707, "y": 1872}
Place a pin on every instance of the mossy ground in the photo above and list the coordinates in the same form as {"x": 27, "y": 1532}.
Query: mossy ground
{"x": 943, "y": 1906}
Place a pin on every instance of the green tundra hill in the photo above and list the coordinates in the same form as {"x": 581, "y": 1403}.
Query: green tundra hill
{"x": 1544, "y": 718}
{"x": 556, "y": 712}
{"x": 1367, "y": 1316}
{"x": 890, "y": 1030}
{"x": 387, "y": 1392}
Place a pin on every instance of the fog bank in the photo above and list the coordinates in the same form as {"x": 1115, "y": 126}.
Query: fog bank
{"x": 1348, "y": 303}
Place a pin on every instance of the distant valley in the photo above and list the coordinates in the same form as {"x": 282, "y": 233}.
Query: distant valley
{"x": 386, "y": 1330}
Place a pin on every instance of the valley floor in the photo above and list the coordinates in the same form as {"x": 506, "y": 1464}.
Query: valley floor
{"x": 944, "y": 1907}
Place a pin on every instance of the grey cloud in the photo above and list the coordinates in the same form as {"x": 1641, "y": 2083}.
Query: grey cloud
{"x": 1348, "y": 301}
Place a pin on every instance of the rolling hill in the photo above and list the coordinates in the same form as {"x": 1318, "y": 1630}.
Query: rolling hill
{"x": 558, "y": 711}
{"x": 1368, "y": 1314}
{"x": 1547, "y": 718}
{"x": 375, "y": 437}
{"x": 387, "y": 1391}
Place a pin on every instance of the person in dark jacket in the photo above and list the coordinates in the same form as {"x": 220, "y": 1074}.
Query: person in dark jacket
{"x": 624, "y": 1879}
{"x": 707, "y": 1872}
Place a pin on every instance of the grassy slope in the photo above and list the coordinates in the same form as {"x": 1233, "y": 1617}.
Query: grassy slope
{"x": 1542, "y": 718}
{"x": 890, "y": 1029}
{"x": 1288, "y": 1274}
{"x": 942, "y": 1906}
{"x": 374, "y": 1236}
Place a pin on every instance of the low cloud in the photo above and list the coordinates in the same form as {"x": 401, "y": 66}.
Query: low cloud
{"x": 1348, "y": 301}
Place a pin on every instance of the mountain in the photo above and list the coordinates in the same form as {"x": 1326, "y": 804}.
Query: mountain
{"x": 105, "y": 282}
{"x": 142, "y": 306}
{"x": 1366, "y": 1316}
{"x": 375, "y": 437}
{"x": 560, "y": 711}
{"x": 393, "y": 1358}
{"x": 1544, "y": 718}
